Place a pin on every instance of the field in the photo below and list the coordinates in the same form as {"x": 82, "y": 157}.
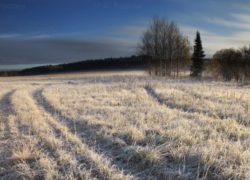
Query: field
{"x": 123, "y": 126}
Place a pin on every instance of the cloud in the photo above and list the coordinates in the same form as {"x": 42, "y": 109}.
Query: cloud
{"x": 241, "y": 6}
{"x": 243, "y": 35}
{"x": 52, "y": 34}
{"x": 242, "y": 17}
{"x": 234, "y": 20}
{"x": 205, "y": 36}
{"x": 39, "y": 36}
{"x": 134, "y": 30}
{"x": 41, "y": 51}
{"x": 191, "y": 31}
{"x": 8, "y": 35}
{"x": 228, "y": 23}
{"x": 212, "y": 44}
{"x": 128, "y": 31}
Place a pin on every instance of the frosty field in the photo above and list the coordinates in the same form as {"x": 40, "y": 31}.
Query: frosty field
{"x": 128, "y": 126}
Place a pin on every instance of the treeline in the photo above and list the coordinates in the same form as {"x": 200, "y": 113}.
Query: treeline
{"x": 231, "y": 64}
{"x": 9, "y": 73}
{"x": 121, "y": 63}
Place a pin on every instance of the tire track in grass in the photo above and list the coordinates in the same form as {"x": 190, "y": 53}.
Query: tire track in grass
{"x": 241, "y": 117}
{"x": 231, "y": 132}
{"x": 126, "y": 156}
{"x": 212, "y": 116}
{"x": 203, "y": 106}
{"x": 6, "y": 134}
{"x": 54, "y": 162}
{"x": 116, "y": 148}
{"x": 136, "y": 155}
{"x": 5, "y": 112}
{"x": 171, "y": 105}
{"x": 18, "y": 147}
{"x": 9, "y": 127}
{"x": 30, "y": 150}
{"x": 105, "y": 169}
{"x": 188, "y": 140}
{"x": 89, "y": 130}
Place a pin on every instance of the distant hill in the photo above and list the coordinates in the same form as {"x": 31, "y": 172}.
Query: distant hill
{"x": 120, "y": 63}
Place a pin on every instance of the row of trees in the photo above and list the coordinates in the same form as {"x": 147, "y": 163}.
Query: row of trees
{"x": 169, "y": 50}
{"x": 166, "y": 47}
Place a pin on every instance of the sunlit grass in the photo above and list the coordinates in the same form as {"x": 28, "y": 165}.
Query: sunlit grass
{"x": 124, "y": 127}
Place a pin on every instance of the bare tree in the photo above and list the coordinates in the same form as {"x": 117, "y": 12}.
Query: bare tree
{"x": 166, "y": 47}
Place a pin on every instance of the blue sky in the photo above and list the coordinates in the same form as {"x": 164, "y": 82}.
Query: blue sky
{"x": 59, "y": 31}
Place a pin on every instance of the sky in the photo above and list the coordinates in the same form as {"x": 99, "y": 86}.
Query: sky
{"x": 40, "y": 32}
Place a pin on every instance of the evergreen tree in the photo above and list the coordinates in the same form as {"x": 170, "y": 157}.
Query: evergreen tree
{"x": 197, "y": 57}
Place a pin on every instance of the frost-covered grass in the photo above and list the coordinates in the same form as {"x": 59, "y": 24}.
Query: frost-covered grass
{"x": 124, "y": 127}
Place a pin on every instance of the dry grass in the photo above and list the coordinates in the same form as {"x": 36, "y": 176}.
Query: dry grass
{"x": 123, "y": 127}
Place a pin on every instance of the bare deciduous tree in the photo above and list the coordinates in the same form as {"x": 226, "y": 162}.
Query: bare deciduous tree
{"x": 166, "y": 47}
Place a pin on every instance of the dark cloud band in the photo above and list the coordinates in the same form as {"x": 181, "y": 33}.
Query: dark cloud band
{"x": 41, "y": 51}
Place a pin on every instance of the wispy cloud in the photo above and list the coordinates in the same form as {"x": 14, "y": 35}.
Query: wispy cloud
{"x": 39, "y": 36}
{"x": 8, "y": 35}
{"x": 242, "y": 17}
{"x": 191, "y": 31}
{"x": 228, "y": 23}
{"x": 241, "y": 6}
{"x": 53, "y": 34}
{"x": 42, "y": 34}
{"x": 128, "y": 31}
{"x": 244, "y": 35}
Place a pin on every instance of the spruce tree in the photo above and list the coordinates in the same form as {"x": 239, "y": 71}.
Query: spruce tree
{"x": 197, "y": 57}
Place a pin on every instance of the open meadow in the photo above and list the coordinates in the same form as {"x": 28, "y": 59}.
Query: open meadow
{"x": 122, "y": 126}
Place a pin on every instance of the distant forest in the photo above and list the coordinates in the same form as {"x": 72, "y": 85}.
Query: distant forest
{"x": 120, "y": 63}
